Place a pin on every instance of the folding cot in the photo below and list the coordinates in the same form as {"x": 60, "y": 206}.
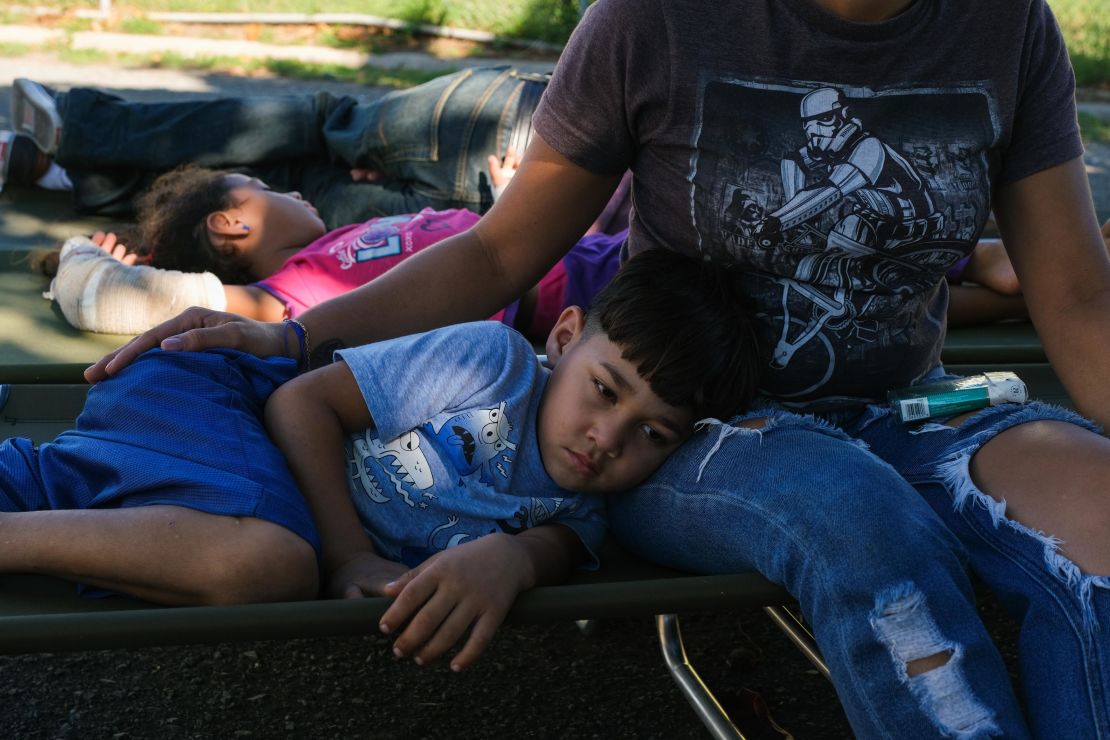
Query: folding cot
{"x": 41, "y": 359}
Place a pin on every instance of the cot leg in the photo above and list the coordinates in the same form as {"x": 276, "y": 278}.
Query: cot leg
{"x": 799, "y": 634}
{"x": 709, "y": 711}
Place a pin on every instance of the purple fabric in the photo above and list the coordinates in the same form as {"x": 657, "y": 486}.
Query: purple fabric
{"x": 955, "y": 274}
{"x": 590, "y": 265}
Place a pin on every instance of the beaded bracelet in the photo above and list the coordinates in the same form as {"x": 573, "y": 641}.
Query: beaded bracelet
{"x": 302, "y": 341}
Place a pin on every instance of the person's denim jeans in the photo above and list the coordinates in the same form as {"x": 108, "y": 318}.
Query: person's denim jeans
{"x": 431, "y": 141}
{"x": 870, "y": 523}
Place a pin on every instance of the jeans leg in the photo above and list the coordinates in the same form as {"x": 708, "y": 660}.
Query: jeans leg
{"x": 342, "y": 201}
{"x": 875, "y": 571}
{"x": 104, "y": 131}
{"x": 113, "y": 149}
{"x": 1062, "y": 612}
{"x": 434, "y": 137}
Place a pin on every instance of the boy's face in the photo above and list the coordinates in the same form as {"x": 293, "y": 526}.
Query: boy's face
{"x": 601, "y": 428}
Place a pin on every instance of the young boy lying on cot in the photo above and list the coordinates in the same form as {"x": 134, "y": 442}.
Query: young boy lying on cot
{"x": 230, "y": 243}
{"x": 453, "y": 453}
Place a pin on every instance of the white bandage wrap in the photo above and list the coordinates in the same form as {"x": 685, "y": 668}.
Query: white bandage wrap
{"x": 98, "y": 293}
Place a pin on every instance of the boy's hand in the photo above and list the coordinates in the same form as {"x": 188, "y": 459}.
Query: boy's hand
{"x": 469, "y": 587}
{"x": 113, "y": 247}
{"x": 365, "y": 574}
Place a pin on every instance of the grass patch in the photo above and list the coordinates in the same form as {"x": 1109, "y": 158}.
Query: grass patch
{"x": 544, "y": 20}
{"x": 1095, "y": 130}
{"x": 15, "y": 50}
{"x": 140, "y": 25}
{"x": 1086, "y": 28}
{"x": 367, "y": 76}
{"x": 75, "y": 25}
{"x": 81, "y": 56}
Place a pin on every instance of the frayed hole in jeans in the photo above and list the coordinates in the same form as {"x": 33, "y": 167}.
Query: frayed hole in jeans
{"x": 929, "y": 664}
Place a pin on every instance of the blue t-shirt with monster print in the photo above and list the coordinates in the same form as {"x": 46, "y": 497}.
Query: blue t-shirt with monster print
{"x": 453, "y": 453}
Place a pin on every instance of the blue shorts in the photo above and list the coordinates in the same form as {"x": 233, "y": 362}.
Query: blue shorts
{"x": 174, "y": 428}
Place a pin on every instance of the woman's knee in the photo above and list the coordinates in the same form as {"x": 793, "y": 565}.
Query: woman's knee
{"x": 791, "y": 494}
{"x": 1050, "y": 476}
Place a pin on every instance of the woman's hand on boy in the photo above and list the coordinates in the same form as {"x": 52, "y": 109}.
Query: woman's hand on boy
{"x": 193, "y": 330}
{"x": 466, "y": 588}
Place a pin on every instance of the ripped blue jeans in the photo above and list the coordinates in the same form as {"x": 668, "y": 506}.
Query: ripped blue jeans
{"x": 872, "y": 524}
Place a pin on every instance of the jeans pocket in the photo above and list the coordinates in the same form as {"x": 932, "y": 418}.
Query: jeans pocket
{"x": 417, "y": 124}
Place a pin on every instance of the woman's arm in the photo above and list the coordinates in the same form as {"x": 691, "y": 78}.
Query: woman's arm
{"x": 1051, "y": 234}
{"x": 974, "y": 305}
{"x": 544, "y": 210}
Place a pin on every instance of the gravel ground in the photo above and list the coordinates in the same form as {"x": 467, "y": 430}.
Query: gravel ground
{"x": 535, "y": 682}
{"x": 549, "y": 681}
{"x": 543, "y": 682}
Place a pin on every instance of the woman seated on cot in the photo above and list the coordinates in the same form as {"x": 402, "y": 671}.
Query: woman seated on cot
{"x": 814, "y": 109}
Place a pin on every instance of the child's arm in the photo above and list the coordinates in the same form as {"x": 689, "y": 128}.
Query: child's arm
{"x": 308, "y": 418}
{"x": 98, "y": 291}
{"x": 502, "y": 170}
{"x": 474, "y": 583}
{"x": 471, "y": 587}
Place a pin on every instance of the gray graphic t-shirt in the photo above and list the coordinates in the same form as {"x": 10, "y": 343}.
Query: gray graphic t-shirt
{"x": 843, "y": 166}
{"x": 453, "y": 454}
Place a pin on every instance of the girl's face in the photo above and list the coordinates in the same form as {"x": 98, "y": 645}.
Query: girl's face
{"x": 273, "y": 221}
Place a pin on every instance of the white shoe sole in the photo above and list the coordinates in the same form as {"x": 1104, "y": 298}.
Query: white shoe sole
{"x": 35, "y": 114}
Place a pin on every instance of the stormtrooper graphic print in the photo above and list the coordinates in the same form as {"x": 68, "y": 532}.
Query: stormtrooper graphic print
{"x": 844, "y": 206}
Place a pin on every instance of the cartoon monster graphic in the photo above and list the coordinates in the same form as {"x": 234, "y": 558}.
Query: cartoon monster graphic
{"x": 401, "y": 460}
{"x": 439, "y": 538}
{"x": 535, "y": 514}
{"x": 477, "y": 440}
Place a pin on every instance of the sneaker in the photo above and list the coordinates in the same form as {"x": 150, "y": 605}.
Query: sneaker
{"x": 21, "y": 163}
{"x": 35, "y": 114}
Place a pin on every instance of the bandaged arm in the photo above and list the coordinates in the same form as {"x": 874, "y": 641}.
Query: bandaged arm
{"x": 97, "y": 292}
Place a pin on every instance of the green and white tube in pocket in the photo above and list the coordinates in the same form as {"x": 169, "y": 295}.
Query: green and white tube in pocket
{"x": 958, "y": 395}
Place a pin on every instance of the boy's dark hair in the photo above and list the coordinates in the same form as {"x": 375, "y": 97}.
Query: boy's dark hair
{"x": 685, "y": 325}
{"x": 172, "y": 222}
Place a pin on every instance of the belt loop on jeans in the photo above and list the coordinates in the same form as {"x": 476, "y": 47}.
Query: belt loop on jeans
{"x": 530, "y": 94}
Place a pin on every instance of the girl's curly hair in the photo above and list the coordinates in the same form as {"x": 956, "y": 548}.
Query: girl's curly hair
{"x": 173, "y": 224}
